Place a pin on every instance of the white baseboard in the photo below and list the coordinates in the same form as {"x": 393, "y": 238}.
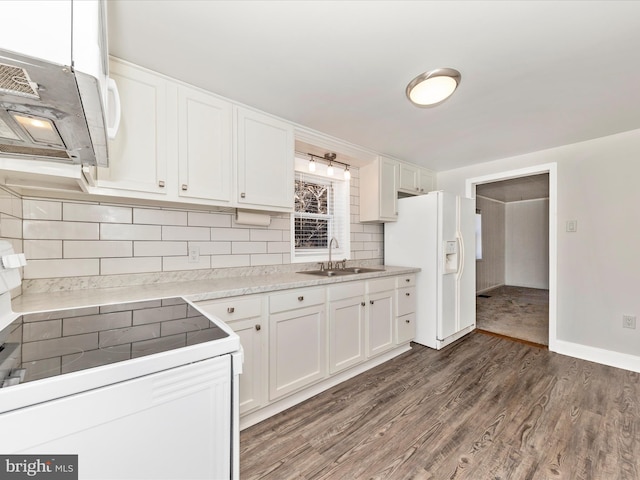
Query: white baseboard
{"x": 599, "y": 355}
{"x": 489, "y": 288}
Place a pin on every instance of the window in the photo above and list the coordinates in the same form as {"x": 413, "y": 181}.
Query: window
{"x": 321, "y": 213}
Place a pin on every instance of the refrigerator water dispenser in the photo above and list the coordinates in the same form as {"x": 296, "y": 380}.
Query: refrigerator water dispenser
{"x": 450, "y": 256}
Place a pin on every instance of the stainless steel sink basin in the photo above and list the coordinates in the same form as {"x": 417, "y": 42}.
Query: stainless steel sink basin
{"x": 363, "y": 269}
{"x": 342, "y": 272}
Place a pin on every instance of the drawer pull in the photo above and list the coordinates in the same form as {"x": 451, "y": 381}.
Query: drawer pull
{"x": 408, "y": 294}
{"x": 258, "y": 327}
{"x": 371, "y": 302}
{"x": 300, "y": 298}
{"x": 363, "y": 304}
{"x": 407, "y": 321}
{"x": 407, "y": 280}
{"x": 231, "y": 310}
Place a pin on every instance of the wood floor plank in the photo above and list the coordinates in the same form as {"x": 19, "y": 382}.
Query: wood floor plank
{"x": 482, "y": 408}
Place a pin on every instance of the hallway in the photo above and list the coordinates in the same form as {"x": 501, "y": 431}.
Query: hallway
{"x": 516, "y": 312}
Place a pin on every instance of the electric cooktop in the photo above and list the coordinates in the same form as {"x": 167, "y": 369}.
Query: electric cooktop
{"x": 46, "y": 344}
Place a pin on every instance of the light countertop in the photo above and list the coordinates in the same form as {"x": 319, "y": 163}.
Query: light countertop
{"x": 194, "y": 290}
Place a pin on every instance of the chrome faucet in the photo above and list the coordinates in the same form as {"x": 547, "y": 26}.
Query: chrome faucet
{"x": 330, "y": 264}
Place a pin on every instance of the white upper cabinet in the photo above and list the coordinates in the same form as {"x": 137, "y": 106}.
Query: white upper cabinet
{"x": 179, "y": 143}
{"x": 138, "y": 154}
{"x": 409, "y": 179}
{"x": 265, "y": 161}
{"x": 204, "y": 146}
{"x": 378, "y": 191}
{"x": 415, "y": 180}
{"x": 427, "y": 181}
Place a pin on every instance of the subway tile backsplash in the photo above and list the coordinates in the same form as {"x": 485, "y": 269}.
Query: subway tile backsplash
{"x": 69, "y": 238}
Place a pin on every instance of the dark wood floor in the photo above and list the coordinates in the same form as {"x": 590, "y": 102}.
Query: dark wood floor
{"x": 482, "y": 408}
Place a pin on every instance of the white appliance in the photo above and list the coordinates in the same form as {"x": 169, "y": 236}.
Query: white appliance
{"x": 436, "y": 232}
{"x": 56, "y": 99}
{"x": 143, "y": 390}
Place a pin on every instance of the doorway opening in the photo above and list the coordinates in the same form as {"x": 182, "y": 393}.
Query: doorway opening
{"x": 515, "y": 281}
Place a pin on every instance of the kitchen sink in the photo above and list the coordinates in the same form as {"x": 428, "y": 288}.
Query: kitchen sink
{"x": 342, "y": 271}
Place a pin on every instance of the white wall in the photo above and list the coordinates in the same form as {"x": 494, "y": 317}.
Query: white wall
{"x": 490, "y": 271}
{"x": 527, "y": 243}
{"x": 598, "y": 267}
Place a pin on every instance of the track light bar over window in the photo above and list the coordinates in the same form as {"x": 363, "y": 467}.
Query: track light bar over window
{"x": 330, "y": 160}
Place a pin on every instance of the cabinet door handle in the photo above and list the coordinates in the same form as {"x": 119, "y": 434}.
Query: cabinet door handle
{"x": 300, "y": 298}
{"x": 362, "y": 303}
{"x": 231, "y": 310}
{"x": 258, "y": 327}
{"x": 371, "y": 302}
{"x": 161, "y": 183}
{"x": 243, "y": 195}
{"x": 184, "y": 186}
{"x": 407, "y": 294}
{"x": 407, "y": 280}
{"x": 407, "y": 321}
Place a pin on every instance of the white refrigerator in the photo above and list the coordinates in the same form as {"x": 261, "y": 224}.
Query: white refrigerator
{"x": 436, "y": 232}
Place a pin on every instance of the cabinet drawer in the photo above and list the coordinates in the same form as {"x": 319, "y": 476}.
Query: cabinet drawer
{"x": 345, "y": 290}
{"x": 235, "y": 308}
{"x": 405, "y": 328}
{"x": 381, "y": 285}
{"x": 406, "y": 281}
{"x": 295, "y": 299}
{"x": 406, "y": 301}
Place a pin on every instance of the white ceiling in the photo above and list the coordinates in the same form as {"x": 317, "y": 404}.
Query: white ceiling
{"x": 516, "y": 189}
{"x": 535, "y": 74}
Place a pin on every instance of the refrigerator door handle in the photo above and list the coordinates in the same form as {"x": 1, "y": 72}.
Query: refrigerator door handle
{"x": 460, "y": 255}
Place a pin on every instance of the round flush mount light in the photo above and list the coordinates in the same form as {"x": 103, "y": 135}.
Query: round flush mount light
{"x": 433, "y": 87}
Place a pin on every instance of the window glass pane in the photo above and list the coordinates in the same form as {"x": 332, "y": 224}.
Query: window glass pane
{"x": 311, "y": 232}
{"x": 311, "y": 197}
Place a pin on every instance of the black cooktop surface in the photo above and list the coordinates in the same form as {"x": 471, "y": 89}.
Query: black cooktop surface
{"x": 51, "y": 343}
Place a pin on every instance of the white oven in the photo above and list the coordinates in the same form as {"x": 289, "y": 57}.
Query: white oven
{"x": 144, "y": 390}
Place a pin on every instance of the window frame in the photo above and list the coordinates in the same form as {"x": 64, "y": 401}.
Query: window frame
{"x": 339, "y": 224}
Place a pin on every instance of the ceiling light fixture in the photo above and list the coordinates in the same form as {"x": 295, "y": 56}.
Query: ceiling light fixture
{"x": 330, "y": 169}
{"x": 432, "y": 87}
{"x": 330, "y": 157}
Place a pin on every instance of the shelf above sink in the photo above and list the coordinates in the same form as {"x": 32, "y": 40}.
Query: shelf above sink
{"x": 342, "y": 272}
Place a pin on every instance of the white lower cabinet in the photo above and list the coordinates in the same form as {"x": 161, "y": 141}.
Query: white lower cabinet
{"x": 380, "y": 315}
{"x": 297, "y": 340}
{"x": 405, "y": 309}
{"x": 244, "y": 316}
{"x": 251, "y": 380}
{"x": 347, "y": 309}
